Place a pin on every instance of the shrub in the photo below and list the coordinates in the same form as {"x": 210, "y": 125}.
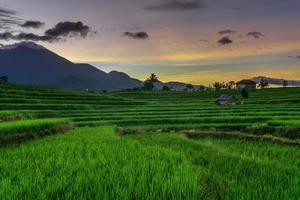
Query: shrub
{"x": 245, "y": 93}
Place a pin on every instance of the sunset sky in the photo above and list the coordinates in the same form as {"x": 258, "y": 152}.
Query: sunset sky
{"x": 194, "y": 41}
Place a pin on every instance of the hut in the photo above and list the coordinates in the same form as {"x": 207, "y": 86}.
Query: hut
{"x": 226, "y": 99}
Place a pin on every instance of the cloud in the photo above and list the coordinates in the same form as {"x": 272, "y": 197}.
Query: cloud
{"x": 58, "y": 33}
{"x": 138, "y": 35}
{"x": 34, "y": 37}
{"x": 204, "y": 40}
{"x": 6, "y": 36}
{"x": 227, "y": 31}
{"x": 32, "y": 24}
{"x": 255, "y": 34}
{"x": 69, "y": 29}
{"x": 7, "y": 12}
{"x": 26, "y": 36}
{"x": 177, "y": 5}
{"x": 225, "y": 40}
{"x": 297, "y": 57}
{"x": 8, "y": 17}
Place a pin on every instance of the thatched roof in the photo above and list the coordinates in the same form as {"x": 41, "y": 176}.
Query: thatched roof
{"x": 226, "y": 97}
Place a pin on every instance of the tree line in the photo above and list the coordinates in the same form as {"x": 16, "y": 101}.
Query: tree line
{"x": 3, "y": 79}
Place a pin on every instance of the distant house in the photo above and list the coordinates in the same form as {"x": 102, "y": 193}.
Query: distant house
{"x": 246, "y": 84}
{"x": 226, "y": 99}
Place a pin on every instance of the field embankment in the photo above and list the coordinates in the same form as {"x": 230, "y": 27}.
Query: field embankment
{"x": 24, "y": 130}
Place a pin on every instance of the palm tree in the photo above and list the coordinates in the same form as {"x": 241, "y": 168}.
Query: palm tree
{"x": 263, "y": 83}
{"x": 153, "y": 78}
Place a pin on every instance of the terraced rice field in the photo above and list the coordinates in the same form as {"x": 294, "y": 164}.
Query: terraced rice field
{"x": 148, "y": 145}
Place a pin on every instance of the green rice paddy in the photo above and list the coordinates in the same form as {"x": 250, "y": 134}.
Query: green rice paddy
{"x": 148, "y": 145}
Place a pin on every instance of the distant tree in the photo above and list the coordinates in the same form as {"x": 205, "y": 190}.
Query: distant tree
{"x": 153, "y": 78}
{"x": 3, "y": 79}
{"x": 189, "y": 87}
{"x": 148, "y": 85}
{"x": 104, "y": 91}
{"x": 285, "y": 83}
{"x": 229, "y": 85}
{"x": 245, "y": 93}
{"x": 166, "y": 88}
{"x": 218, "y": 85}
{"x": 263, "y": 83}
{"x": 201, "y": 88}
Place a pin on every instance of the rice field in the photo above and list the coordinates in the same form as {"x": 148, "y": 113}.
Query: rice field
{"x": 148, "y": 145}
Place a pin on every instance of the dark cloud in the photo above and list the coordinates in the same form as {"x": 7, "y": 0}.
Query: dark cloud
{"x": 32, "y": 24}
{"x": 294, "y": 57}
{"x": 7, "y": 12}
{"x": 69, "y": 29}
{"x": 26, "y": 36}
{"x": 203, "y": 40}
{"x": 138, "y": 35}
{"x": 8, "y": 17}
{"x": 225, "y": 40}
{"x": 58, "y": 33}
{"x": 177, "y": 5}
{"x": 34, "y": 37}
{"x": 227, "y": 31}
{"x": 6, "y": 36}
{"x": 255, "y": 34}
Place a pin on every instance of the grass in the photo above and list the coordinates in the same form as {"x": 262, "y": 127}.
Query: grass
{"x": 172, "y": 145}
{"x": 23, "y": 130}
{"x": 93, "y": 163}
{"x": 233, "y": 169}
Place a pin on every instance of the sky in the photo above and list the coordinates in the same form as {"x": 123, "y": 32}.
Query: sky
{"x": 193, "y": 41}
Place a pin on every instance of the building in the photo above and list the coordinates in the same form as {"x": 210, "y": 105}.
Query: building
{"x": 246, "y": 84}
{"x": 225, "y": 99}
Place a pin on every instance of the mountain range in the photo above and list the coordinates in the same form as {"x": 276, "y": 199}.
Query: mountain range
{"x": 31, "y": 64}
{"x": 276, "y": 81}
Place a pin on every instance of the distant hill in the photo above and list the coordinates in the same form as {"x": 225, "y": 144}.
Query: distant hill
{"x": 276, "y": 81}
{"x": 176, "y": 86}
{"x": 32, "y": 64}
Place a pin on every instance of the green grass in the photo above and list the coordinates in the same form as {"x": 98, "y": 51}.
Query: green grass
{"x": 172, "y": 145}
{"x": 18, "y": 131}
{"x": 233, "y": 169}
{"x": 94, "y": 163}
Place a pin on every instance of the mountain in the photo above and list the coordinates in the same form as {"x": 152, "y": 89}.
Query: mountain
{"x": 32, "y": 64}
{"x": 176, "y": 86}
{"x": 276, "y": 81}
